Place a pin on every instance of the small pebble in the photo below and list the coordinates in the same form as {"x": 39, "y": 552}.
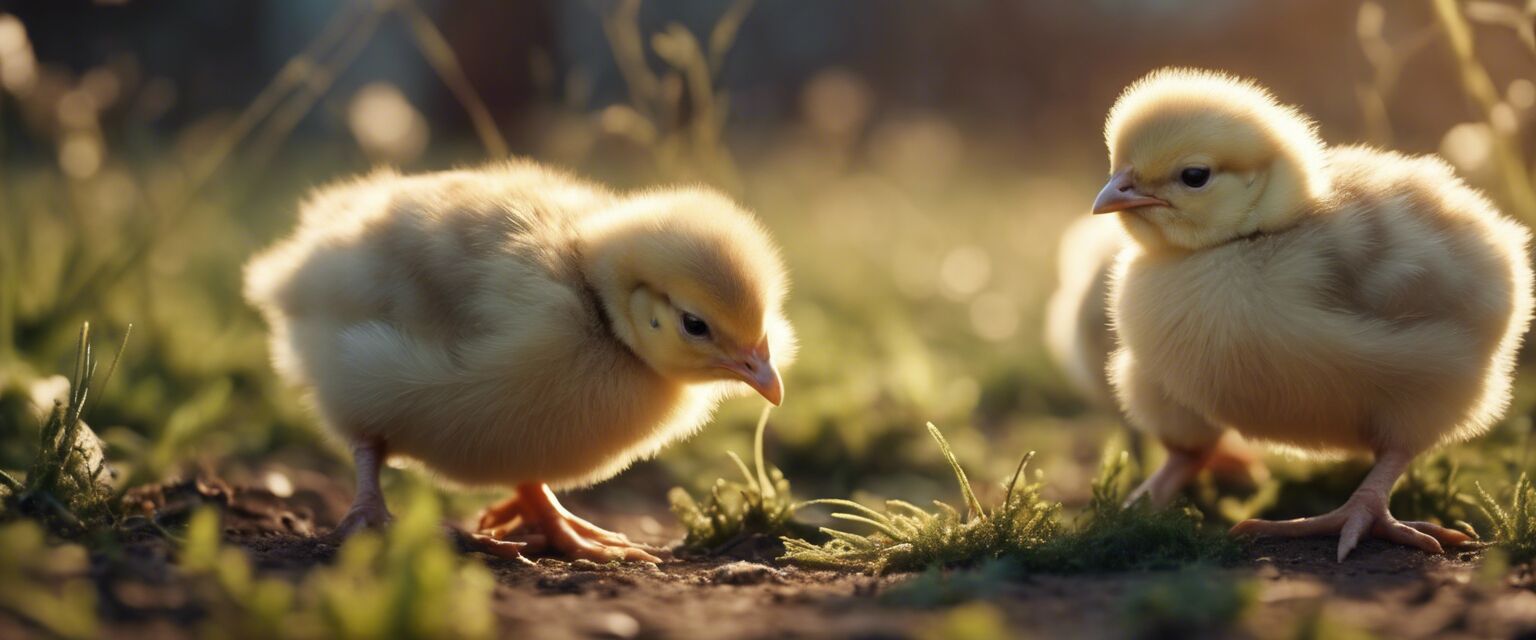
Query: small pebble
{"x": 744, "y": 573}
{"x": 586, "y": 565}
{"x": 615, "y": 624}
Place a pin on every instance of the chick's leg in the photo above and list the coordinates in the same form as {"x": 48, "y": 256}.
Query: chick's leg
{"x": 1229, "y": 459}
{"x": 532, "y": 516}
{"x": 1177, "y": 471}
{"x": 368, "y": 510}
{"x": 1365, "y": 511}
{"x": 1234, "y": 463}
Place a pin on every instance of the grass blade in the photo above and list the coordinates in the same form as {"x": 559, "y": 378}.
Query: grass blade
{"x": 965, "y": 484}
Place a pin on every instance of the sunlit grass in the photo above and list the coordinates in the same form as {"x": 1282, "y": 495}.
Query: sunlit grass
{"x": 1113, "y": 536}
{"x": 907, "y": 537}
{"x": 760, "y": 504}
{"x": 1434, "y": 490}
{"x": 68, "y": 484}
{"x": 407, "y": 583}
{"x": 1513, "y": 520}
{"x": 44, "y": 583}
{"x": 1023, "y": 530}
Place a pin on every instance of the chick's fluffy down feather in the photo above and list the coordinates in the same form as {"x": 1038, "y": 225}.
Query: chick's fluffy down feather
{"x": 1387, "y": 318}
{"x": 448, "y": 315}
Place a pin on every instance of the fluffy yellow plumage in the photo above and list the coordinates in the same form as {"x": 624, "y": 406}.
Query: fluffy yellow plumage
{"x": 511, "y": 325}
{"x": 1321, "y": 298}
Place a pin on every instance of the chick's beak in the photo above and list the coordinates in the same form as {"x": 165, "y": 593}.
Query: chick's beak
{"x": 1121, "y": 194}
{"x": 756, "y": 368}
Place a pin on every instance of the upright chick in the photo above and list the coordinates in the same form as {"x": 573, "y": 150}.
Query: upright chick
{"x": 511, "y": 325}
{"x": 1324, "y": 299}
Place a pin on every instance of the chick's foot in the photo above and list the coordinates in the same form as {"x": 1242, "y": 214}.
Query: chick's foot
{"x": 533, "y": 518}
{"x": 364, "y": 514}
{"x": 368, "y": 510}
{"x": 1366, "y": 511}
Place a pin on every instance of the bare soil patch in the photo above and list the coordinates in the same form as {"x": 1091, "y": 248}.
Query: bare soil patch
{"x": 1383, "y": 589}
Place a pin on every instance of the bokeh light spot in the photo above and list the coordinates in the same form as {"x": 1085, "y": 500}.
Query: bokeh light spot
{"x": 836, "y": 102}
{"x": 964, "y": 271}
{"x": 385, "y": 124}
{"x": 995, "y": 316}
{"x": 1468, "y": 146}
{"x": 80, "y": 155}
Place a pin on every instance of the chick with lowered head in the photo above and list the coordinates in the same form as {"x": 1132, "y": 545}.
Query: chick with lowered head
{"x": 1325, "y": 299}
{"x": 514, "y": 326}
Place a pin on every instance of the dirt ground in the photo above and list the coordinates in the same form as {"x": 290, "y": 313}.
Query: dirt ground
{"x": 1382, "y": 589}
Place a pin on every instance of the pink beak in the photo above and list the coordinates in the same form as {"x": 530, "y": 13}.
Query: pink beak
{"x": 756, "y": 368}
{"x": 1121, "y": 194}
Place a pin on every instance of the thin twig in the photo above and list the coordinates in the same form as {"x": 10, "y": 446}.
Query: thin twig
{"x": 112, "y": 368}
{"x": 294, "y": 73}
{"x": 435, "y": 48}
{"x": 299, "y": 71}
{"x": 10, "y": 482}
{"x": 320, "y": 80}
{"x": 1479, "y": 87}
{"x": 765, "y": 486}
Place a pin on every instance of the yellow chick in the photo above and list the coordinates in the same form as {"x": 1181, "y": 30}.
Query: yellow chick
{"x": 1080, "y": 340}
{"x": 515, "y": 326}
{"x": 1327, "y": 299}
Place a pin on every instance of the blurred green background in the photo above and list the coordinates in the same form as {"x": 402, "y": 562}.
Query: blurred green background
{"x": 917, "y": 160}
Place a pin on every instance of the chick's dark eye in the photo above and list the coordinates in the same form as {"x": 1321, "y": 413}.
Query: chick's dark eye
{"x": 1194, "y": 177}
{"x": 695, "y": 327}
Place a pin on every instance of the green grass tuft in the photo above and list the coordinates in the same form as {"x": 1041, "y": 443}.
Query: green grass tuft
{"x": 908, "y": 538}
{"x": 760, "y": 504}
{"x": 408, "y": 582}
{"x": 1024, "y": 530}
{"x": 1513, "y": 521}
{"x": 68, "y": 485}
{"x": 1114, "y": 536}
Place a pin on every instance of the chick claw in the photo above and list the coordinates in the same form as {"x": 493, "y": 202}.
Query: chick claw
{"x": 532, "y": 517}
{"x": 363, "y": 515}
{"x": 510, "y": 550}
{"x": 1362, "y": 513}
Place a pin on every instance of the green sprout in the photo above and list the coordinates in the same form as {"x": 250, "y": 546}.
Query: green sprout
{"x": 759, "y": 504}
{"x": 1433, "y": 491}
{"x": 68, "y": 484}
{"x": 405, "y": 583}
{"x": 1024, "y": 530}
{"x": 908, "y": 538}
{"x": 1513, "y": 524}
